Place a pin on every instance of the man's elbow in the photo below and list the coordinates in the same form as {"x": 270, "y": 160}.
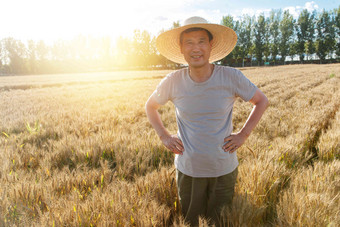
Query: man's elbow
{"x": 265, "y": 102}
{"x": 151, "y": 105}
{"x": 260, "y": 99}
{"x": 147, "y": 106}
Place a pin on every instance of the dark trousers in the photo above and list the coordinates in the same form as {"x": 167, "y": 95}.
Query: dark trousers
{"x": 205, "y": 196}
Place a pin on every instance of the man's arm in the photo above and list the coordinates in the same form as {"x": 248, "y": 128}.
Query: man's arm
{"x": 170, "y": 141}
{"x": 236, "y": 140}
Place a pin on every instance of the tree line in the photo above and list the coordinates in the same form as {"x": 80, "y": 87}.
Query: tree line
{"x": 275, "y": 39}
{"x": 313, "y": 37}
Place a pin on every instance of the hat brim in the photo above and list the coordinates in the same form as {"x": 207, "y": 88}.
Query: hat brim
{"x": 224, "y": 41}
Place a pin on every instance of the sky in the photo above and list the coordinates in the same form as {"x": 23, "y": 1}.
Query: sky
{"x": 50, "y": 20}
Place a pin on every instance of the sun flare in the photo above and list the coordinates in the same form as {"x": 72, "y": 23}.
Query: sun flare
{"x": 52, "y": 20}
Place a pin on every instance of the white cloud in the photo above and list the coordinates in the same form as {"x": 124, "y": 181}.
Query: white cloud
{"x": 293, "y": 10}
{"x": 248, "y": 11}
{"x": 162, "y": 17}
{"x": 296, "y": 10}
{"x": 310, "y": 6}
{"x": 251, "y": 12}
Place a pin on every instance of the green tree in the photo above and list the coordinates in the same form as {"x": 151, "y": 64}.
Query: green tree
{"x": 286, "y": 29}
{"x": 136, "y": 57}
{"x": 260, "y": 32}
{"x": 301, "y": 32}
{"x": 42, "y": 52}
{"x": 142, "y": 49}
{"x": 229, "y": 22}
{"x": 236, "y": 53}
{"x": 293, "y": 50}
{"x": 106, "y": 53}
{"x": 337, "y": 30}
{"x": 274, "y": 22}
{"x": 155, "y": 58}
{"x": 16, "y": 54}
{"x": 266, "y": 49}
{"x": 59, "y": 50}
{"x": 244, "y": 37}
{"x": 325, "y": 40}
{"x": 146, "y": 49}
{"x": 61, "y": 56}
{"x": 124, "y": 53}
{"x": 310, "y": 35}
{"x": 176, "y": 24}
{"x": 32, "y": 57}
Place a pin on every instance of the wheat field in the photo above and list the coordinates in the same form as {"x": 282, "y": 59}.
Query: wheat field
{"x": 77, "y": 150}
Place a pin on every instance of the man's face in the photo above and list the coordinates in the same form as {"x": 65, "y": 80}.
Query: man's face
{"x": 196, "y": 48}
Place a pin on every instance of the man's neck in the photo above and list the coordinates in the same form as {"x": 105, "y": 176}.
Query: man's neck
{"x": 201, "y": 74}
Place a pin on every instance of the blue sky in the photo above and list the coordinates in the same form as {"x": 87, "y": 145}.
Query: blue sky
{"x": 215, "y": 9}
{"x": 50, "y": 20}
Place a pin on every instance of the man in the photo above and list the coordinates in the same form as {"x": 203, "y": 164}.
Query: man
{"x": 203, "y": 95}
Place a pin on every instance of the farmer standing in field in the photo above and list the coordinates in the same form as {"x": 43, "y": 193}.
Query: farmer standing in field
{"x": 203, "y": 95}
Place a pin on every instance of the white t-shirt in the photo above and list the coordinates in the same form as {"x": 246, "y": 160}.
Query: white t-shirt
{"x": 204, "y": 117}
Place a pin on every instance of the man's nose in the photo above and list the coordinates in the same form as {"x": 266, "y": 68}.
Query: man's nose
{"x": 196, "y": 47}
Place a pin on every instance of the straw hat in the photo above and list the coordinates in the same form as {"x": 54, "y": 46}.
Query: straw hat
{"x": 224, "y": 40}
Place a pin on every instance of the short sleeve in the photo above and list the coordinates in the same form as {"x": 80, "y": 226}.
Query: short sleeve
{"x": 243, "y": 87}
{"x": 162, "y": 94}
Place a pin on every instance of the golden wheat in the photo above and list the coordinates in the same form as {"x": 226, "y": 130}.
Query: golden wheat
{"x": 77, "y": 150}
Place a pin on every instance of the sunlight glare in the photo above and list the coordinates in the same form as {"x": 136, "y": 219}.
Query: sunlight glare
{"x": 51, "y": 20}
